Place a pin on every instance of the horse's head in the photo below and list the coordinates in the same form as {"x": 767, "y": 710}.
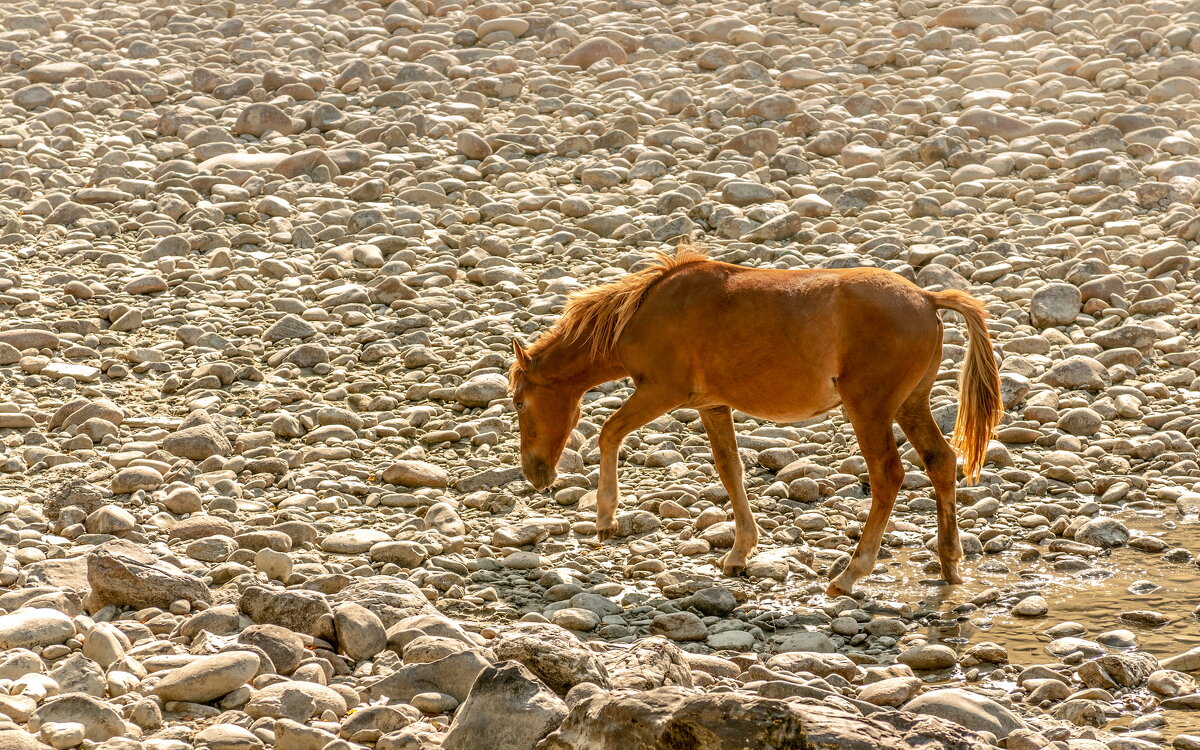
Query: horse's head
{"x": 546, "y": 414}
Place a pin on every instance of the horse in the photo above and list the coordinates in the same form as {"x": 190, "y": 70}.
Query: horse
{"x": 781, "y": 345}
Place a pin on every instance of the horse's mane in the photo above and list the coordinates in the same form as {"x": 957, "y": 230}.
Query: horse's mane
{"x": 598, "y": 314}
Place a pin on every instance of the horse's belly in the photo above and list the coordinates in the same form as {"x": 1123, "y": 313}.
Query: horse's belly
{"x": 787, "y": 417}
{"x": 784, "y": 407}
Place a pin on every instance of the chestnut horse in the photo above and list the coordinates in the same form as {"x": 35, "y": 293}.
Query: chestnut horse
{"x": 781, "y": 345}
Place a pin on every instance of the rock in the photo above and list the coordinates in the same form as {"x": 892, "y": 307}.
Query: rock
{"x": 820, "y": 664}
{"x": 415, "y": 474}
{"x": 679, "y": 626}
{"x": 121, "y": 574}
{"x": 29, "y": 338}
{"x": 992, "y": 124}
{"x": 967, "y": 709}
{"x": 647, "y": 664}
{"x": 389, "y": 598}
{"x": 301, "y": 611}
{"x": 289, "y": 327}
{"x": 481, "y": 390}
{"x": 1118, "y": 670}
{"x": 208, "y": 677}
{"x": 891, "y": 692}
{"x": 359, "y": 632}
{"x": 672, "y": 716}
{"x": 18, "y": 739}
{"x": 257, "y": 119}
{"x": 1186, "y": 661}
{"x": 227, "y": 737}
{"x": 100, "y": 721}
{"x": 34, "y": 628}
{"x": 33, "y": 96}
{"x": 134, "y": 478}
{"x": 589, "y": 52}
{"x": 507, "y": 689}
{"x": 553, "y": 655}
{"x": 308, "y": 698}
{"x": 1055, "y": 305}
{"x": 757, "y": 140}
{"x": 284, "y": 647}
{"x": 149, "y": 284}
{"x": 353, "y": 541}
{"x": 928, "y": 656}
{"x": 378, "y": 720}
{"x": 1169, "y": 683}
{"x": 807, "y": 641}
{"x": 1077, "y": 372}
{"x": 197, "y": 443}
{"x": 974, "y": 16}
{"x": 453, "y": 675}
{"x": 1102, "y": 532}
{"x": 1031, "y": 606}
{"x": 1081, "y": 712}
{"x": 472, "y": 146}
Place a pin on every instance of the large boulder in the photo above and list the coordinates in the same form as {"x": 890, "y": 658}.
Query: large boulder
{"x": 647, "y": 664}
{"x": 971, "y": 710}
{"x": 557, "y": 657}
{"x": 509, "y": 690}
{"x": 122, "y": 574}
{"x": 673, "y": 717}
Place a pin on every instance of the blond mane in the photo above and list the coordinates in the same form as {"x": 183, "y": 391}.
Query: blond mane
{"x": 597, "y": 315}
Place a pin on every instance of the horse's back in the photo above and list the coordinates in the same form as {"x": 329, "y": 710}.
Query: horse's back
{"x": 775, "y": 342}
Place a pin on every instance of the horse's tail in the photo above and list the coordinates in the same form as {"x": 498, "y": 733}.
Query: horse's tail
{"x": 979, "y": 405}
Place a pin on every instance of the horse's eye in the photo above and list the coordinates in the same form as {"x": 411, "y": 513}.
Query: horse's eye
{"x": 519, "y": 405}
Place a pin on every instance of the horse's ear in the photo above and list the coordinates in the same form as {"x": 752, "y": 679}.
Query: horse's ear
{"x": 520, "y": 353}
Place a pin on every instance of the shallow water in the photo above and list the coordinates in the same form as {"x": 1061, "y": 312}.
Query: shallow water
{"x": 1094, "y": 601}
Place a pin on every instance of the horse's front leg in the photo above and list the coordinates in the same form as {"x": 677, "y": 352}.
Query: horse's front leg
{"x": 644, "y": 405}
{"x": 718, "y": 423}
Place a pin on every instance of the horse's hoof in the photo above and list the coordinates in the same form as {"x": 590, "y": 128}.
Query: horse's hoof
{"x": 605, "y": 534}
{"x": 835, "y": 590}
{"x": 733, "y": 570}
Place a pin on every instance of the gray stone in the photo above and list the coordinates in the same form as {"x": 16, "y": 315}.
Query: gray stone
{"x": 967, "y": 709}
{"x": 208, "y": 677}
{"x": 509, "y": 690}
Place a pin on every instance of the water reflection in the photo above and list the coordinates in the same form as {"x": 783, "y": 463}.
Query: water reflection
{"x": 1092, "y": 592}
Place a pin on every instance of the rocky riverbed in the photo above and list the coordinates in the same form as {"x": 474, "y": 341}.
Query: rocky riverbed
{"x": 261, "y": 264}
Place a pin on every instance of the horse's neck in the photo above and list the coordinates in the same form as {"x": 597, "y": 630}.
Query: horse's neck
{"x": 572, "y": 364}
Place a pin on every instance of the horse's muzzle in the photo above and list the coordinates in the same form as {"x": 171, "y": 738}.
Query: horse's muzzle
{"x": 539, "y": 473}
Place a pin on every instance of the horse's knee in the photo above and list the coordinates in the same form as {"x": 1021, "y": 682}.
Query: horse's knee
{"x": 890, "y": 473}
{"x": 609, "y": 440}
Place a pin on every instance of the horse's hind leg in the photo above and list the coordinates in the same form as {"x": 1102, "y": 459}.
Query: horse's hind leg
{"x": 718, "y": 423}
{"x": 938, "y": 458}
{"x": 873, "y": 426}
{"x": 645, "y": 404}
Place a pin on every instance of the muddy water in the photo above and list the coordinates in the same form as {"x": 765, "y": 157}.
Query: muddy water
{"x": 1094, "y": 598}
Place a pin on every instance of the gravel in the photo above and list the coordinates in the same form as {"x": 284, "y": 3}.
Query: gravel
{"x": 261, "y": 266}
